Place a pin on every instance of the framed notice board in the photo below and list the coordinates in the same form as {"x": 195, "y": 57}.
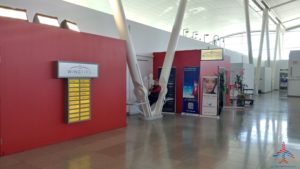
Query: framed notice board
{"x": 78, "y": 100}
{"x": 77, "y": 89}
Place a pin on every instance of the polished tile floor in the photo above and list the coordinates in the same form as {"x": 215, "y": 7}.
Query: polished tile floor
{"x": 241, "y": 139}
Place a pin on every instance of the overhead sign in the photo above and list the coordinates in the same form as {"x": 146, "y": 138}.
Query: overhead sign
{"x": 77, "y": 70}
{"x": 211, "y": 54}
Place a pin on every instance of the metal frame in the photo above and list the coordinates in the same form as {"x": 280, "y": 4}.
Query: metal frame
{"x": 67, "y": 101}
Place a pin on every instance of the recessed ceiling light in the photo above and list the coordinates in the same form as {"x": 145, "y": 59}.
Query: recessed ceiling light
{"x": 47, "y": 20}
{"x": 167, "y": 10}
{"x": 13, "y": 13}
{"x": 197, "y": 10}
{"x": 69, "y": 25}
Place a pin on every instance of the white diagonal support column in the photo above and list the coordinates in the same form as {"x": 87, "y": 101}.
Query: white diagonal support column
{"x": 166, "y": 69}
{"x": 268, "y": 42}
{"x": 280, "y": 41}
{"x": 275, "y": 55}
{"x": 139, "y": 89}
{"x": 248, "y": 28}
{"x": 257, "y": 72}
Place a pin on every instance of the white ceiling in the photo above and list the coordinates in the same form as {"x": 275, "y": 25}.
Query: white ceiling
{"x": 288, "y": 14}
{"x": 213, "y": 17}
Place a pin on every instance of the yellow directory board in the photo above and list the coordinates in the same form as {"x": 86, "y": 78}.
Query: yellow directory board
{"x": 78, "y": 100}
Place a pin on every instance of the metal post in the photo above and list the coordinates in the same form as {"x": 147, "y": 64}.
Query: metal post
{"x": 268, "y": 42}
{"x": 248, "y": 28}
{"x": 166, "y": 69}
{"x": 139, "y": 89}
{"x": 257, "y": 72}
{"x": 275, "y": 55}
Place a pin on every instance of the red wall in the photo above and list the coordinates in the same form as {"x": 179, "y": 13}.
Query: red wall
{"x": 32, "y": 98}
{"x": 190, "y": 58}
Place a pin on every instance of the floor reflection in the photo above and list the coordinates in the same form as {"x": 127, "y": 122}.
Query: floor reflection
{"x": 82, "y": 162}
{"x": 241, "y": 139}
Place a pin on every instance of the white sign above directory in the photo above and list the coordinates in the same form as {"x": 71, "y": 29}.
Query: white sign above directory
{"x": 76, "y": 70}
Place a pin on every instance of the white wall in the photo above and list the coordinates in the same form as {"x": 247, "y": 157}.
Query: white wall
{"x": 248, "y": 77}
{"x": 145, "y": 63}
{"x": 146, "y": 39}
{"x": 236, "y": 57}
{"x": 265, "y": 79}
{"x": 294, "y": 73}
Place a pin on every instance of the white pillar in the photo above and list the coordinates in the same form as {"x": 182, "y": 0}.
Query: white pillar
{"x": 257, "y": 72}
{"x": 139, "y": 89}
{"x": 248, "y": 28}
{"x": 281, "y": 37}
{"x": 268, "y": 42}
{"x": 166, "y": 69}
{"x": 275, "y": 55}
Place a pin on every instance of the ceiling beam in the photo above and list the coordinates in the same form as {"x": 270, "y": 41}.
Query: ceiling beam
{"x": 258, "y": 4}
{"x": 282, "y": 4}
{"x": 293, "y": 27}
{"x": 291, "y": 20}
{"x": 240, "y": 33}
{"x": 276, "y": 19}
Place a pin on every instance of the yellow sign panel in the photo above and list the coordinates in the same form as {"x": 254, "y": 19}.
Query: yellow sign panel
{"x": 73, "y": 98}
{"x": 85, "y": 114}
{"x": 73, "y": 89}
{"x": 212, "y": 54}
{"x": 85, "y": 80}
{"x": 73, "y": 81}
{"x": 85, "y": 101}
{"x": 73, "y": 93}
{"x": 85, "y": 109}
{"x": 84, "y": 85}
{"x": 73, "y": 102}
{"x": 85, "y": 97}
{"x": 84, "y": 93}
{"x": 73, "y": 115}
{"x": 85, "y": 89}
{"x": 71, "y": 120}
{"x": 74, "y": 111}
{"x": 78, "y": 100}
{"x": 85, "y": 105}
{"x": 73, "y": 106}
{"x": 73, "y": 85}
{"x": 85, "y": 118}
